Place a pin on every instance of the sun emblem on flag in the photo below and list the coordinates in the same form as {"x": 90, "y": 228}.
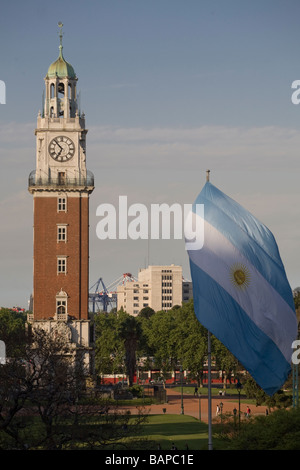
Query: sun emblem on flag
{"x": 240, "y": 276}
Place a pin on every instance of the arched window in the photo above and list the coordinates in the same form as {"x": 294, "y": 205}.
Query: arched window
{"x": 61, "y": 90}
{"x": 51, "y": 111}
{"x": 52, "y": 90}
{"x": 61, "y": 305}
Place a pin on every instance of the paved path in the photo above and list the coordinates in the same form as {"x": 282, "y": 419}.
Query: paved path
{"x": 191, "y": 405}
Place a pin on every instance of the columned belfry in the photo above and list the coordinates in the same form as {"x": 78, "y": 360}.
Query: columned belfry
{"x": 61, "y": 185}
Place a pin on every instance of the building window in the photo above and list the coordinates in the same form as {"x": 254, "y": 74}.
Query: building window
{"x": 166, "y": 297}
{"x": 166, "y": 305}
{"x": 61, "y": 305}
{"x": 62, "y": 204}
{"x": 61, "y": 233}
{"x": 61, "y": 178}
{"x": 61, "y": 90}
{"x": 62, "y": 265}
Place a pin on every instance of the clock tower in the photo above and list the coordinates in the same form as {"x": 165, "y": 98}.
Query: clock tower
{"x": 61, "y": 185}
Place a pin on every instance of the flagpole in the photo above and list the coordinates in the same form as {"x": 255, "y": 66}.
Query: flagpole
{"x": 210, "y": 445}
{"x": 207, "y": 175}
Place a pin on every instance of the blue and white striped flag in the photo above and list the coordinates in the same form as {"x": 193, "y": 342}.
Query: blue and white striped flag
{"x": 241, "y": 293}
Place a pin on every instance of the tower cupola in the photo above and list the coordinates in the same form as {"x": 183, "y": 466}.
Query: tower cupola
{"x": 61, "y": 68}
{"x": 60, "y": 82}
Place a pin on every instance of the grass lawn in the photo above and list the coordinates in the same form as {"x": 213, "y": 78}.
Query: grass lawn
{"x": 204, "y": 390}
{"x": 233, "y": 393}
{"x": 186, "y": 432}
{"x": 181, "y": 430}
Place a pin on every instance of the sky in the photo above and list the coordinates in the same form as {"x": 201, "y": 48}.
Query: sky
{"x": 169, "y": 88}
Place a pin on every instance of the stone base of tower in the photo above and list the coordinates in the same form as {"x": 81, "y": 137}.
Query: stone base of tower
{"x": 77, "y": 336}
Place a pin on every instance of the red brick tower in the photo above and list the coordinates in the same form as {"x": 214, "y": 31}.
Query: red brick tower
{"x": 61, "y": 186}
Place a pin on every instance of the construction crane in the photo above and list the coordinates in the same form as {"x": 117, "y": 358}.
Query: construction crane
{"x": 106, "y": 298}
{"x": 101, "y": 299}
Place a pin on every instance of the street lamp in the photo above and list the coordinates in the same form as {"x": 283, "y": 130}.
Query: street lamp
{"x": 199, "y": 405}
{"x": 234, "y": 414}
{"x": 221, "y": 408}
{"x": 239, "y": 387}
{"x": 182, "y": 409}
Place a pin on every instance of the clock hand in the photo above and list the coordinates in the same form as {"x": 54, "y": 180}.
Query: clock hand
{"x": 58, "y": 144}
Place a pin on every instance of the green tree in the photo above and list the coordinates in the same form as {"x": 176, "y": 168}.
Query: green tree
{"x": 252, "y": 390}
{"x": 225, "y": 360}
{"x": 110, "y": 350}
{"x": 191, "y": 340}
{"x": 146, "y": 312}
{"x": 12, "y": 331}
{"x": 277, "y": 431}
{"x": 161, "y": 340}
{"x": 129, "y": 330}
{"x": 40, "y": 405}
{"x": 118, "y": 340}
{"x": 279, "y": 400}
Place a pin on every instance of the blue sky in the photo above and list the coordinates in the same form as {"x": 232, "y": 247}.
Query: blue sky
{"x": 157, "y": 62}
{"x": 169, "y": 88}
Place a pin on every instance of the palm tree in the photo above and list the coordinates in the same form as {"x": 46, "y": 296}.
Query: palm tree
{"x": 130, "y": 332}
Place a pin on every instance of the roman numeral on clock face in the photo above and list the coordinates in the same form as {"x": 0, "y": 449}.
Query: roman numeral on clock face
{"x": 61, "y": 148}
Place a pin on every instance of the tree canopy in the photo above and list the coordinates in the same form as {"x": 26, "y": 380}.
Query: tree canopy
{"x": 165, "y": 341}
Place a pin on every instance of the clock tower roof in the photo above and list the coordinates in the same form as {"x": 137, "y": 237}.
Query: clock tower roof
{"x": 61, "y": 68}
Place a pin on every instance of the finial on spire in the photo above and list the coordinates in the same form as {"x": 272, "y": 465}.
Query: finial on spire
{"x": 60, "y": 25}
{"x": 207, "y": 175}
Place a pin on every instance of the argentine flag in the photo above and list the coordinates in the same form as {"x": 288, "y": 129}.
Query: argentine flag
{"x": 241, "y": 293}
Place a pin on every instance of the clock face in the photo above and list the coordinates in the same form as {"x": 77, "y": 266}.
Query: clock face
{"x": 61, "y": 148}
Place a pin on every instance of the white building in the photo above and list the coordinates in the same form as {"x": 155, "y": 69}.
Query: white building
{"x": 158, "y": 287}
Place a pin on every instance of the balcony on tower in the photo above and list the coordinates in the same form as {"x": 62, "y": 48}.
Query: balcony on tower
{"x": 61, "y": 181}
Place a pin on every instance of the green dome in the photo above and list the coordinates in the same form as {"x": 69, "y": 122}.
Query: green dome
{"x": 61, "y": 68}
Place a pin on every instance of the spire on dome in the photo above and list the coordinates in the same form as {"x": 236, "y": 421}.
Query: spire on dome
{"x": 60, "y": 25}
{"x": 61, "y": 68}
